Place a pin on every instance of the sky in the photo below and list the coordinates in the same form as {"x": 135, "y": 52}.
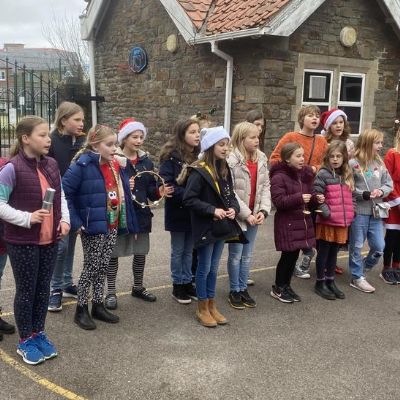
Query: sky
{"x": 22, "y": 21}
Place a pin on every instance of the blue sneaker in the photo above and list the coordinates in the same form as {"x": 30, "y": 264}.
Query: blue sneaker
{"x": 55, "y": 300}
{"x": 29, "y": 352}
{"x": 46, "y": 347}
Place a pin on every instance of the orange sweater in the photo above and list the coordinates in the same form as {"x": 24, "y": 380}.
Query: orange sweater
{"x": 320, "y": 148}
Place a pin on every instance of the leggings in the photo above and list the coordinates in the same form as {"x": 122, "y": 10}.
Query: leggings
{"x": 391, "y": 254}
{"x": 32, "y": 267}
{"x": 285, "y": 267}
{"x": 97, "y": 250}
{"x": 326, "y": 259}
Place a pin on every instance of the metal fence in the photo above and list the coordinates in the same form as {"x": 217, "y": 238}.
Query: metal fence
{"x": 25, "y": 92}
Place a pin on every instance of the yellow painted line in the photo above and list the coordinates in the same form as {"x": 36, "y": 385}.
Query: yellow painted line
{"x": 33, "y": 376}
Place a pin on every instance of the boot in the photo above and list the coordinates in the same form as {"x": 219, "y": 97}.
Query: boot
{"x": 331, "y": 285}
{"x": 203, "y": 315}
{"x": 1, "y": 337}
{"x": 219, "y": 318}
{"x": 99, "y": 312}
{"x": 82, "y": 318}
{"x": 322, "y": 290}
{"x": 5, "y": 327}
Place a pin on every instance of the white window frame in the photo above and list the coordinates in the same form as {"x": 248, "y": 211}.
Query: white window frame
{"x": 3, "y": 75}
{"x": 320, "y": 71}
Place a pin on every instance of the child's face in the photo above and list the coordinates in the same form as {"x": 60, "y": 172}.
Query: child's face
{"x": 192, "y": 135}
{"x": 259, "y": 123}
{"x": 335, "y": 159}
{"x": 134, "y": 141}
{"x": 107, "y": 148}
{"x": 296, "y": 160}
{"x": 252, "y": 141}
{"x": 39, "y": 140}
{"x": 74, "y": 124}
{"x": 221, "y": 149}
{"x": 311, "y": 121}
{"x": 337, "y": 126}
{"x": 377, "y": 146}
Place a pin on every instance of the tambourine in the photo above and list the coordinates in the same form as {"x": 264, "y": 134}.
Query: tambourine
{"x": 154, "y": 203}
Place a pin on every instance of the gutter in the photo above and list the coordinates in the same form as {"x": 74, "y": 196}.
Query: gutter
{"x": 229, "y": 35}
{"x": 92, "y": 80}
{"x": 229, "y": 83}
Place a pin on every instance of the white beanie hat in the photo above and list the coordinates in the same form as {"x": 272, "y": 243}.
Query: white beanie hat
{"x": 212, "y": 136}
{"x": 128, "y": 126}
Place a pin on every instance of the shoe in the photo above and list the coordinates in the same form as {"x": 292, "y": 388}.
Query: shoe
{"x": 55, "y": 301}
{"x": 180, "y": 295}
{"x": 45, "y": 345}
{"x": 83, "y": 319}
{"x": 362, "y": 284}
{"x": 321, "y": 289}
{"x": 331, "y": 285}
{"x": 111, "y": 302}
{"x": 389, "y": 276}
{"x": 219, "y": 318}
{"x": 293, "y": 294}
{"x": 339, "y": 270}
{"x": 235, "y": 300}
{"x": 247, "y": 300}
{"x": 281, "y": 294}
{"x": 143, "y": 294}
{"x": 397, "y": 274}
{"x": 190, "y": 290}
{"x": 203, "y": 314}
{"x": 250, "y": 282}
{"x": 71, "y": 292}
{"x": 29, "y": 352}
{"x": 99, "y": 312}
{"x": 6, "y": 328}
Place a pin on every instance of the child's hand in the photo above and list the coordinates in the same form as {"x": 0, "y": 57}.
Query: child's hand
{"x": 166, "y": 190}
{"x": 314, "y": 169}
{"x": 376, "y": 193}
{"x": 251, "y": 220}
{"x": 219, "y": 213}
{"x": 260, "y": 217}
{"x": 320, "y": 198}
{"x": 132, "y": 183}
{"x": 38, "y": 216}
{"x": 64, "y": 228}
{"x": 231, "y": 213}
{"x": 306, "y": 198}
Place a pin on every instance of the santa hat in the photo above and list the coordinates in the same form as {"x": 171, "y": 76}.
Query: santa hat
{"x": 328, "y": 117}
{"x": 212, "y": 136}
{"x": 129, "y": 125}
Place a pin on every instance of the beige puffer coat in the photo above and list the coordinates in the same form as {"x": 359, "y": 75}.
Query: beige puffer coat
{"x": 242, "y": 185}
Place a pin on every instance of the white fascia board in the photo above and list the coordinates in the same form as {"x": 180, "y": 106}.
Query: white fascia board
{"x": 393, "y": 6}
{"x": 92, "y": 18}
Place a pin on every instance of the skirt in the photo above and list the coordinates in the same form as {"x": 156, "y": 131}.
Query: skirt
{"x": 127, "y": 245}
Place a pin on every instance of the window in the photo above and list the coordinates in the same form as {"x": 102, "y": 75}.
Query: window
{"x": 2, "y": 75}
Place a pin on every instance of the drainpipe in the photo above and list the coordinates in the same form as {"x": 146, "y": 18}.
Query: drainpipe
{"x": 92, "y": 79}
{"x": 229, "y": 83}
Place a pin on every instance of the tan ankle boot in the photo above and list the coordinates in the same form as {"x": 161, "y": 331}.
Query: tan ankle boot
{"x": 221, "y": 320}
{"x": 203, "y": 315}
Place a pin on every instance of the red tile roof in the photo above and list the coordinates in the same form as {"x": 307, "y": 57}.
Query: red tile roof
{"x": 197, "y": 10}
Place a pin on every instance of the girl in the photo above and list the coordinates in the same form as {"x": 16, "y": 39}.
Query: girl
{"x": 335, "y": 181}
{"x": 66, "y": 140}
{"x": 98, "y": 194}
{"x": 372, "y": 182}
{"x": 213, "y": 206}
{"x": 257, "y": 118}
{"x": 31, "y": 233}
{"x": 131, "y": 137}
{"x": 251, "y": 184}
{"x": 391, "y": 254}
{"x": 181, "y": 149}
{"x": 291, "y": 188}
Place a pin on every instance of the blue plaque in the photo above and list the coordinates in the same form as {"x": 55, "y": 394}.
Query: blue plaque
{"x": 137, "y": 60}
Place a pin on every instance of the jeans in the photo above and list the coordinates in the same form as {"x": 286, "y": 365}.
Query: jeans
{"x": 181, "y": 257}
{"x": 207, "y": 268}
{"x": 62, "y": 275}
{"x": 3, "y": 261}
{"x": 239, "y": 260}
{"x": 370, "y": 228}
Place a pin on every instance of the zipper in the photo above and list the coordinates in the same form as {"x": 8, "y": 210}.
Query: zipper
{"x": 344, "y": 206}
{"x": 304, "y": 215}
{"x": 87, "y": 217}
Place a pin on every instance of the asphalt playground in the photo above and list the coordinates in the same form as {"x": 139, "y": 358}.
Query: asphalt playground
{"x": 316, "y": 349}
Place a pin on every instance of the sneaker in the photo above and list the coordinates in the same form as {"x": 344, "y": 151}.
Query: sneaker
{"x": 281, "y": 294}
{"x": 71, "y": 292}
{"x": 111, "y": 302}
{"x": 339, "y": 270}
{"x": 247, "y": 300}
{"x": 302, "y": 269}
{"x": 389, "y": 276}
{"x": 55, "y": 300}
{"x": 180, "y": 295}
{"x": 45, "y": 345}
{"x": 362, "y": 284}
{"x": 250, "y": 282}
{"x": 143, "y": 294}
{"x": 190, "y": 290}
{"x": 29, "y": 352}
{"x": 396, "y": 273}
{"x": 236, "y": 301}
{"x": 293, "y": 294}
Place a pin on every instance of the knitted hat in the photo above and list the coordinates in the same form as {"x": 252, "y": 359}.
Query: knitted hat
{"x": 212, "y": 136}
{"x": 129, "y": 125}
{"x": 328, "y": 117}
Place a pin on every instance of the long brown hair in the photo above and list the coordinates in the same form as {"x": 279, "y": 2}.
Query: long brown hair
{"x": 345, "y": 134}
{"x": 219, "y": 168}
{"x": 288, "y": 149}
{"x": 64, "y": 111}
{"x": 364, "y": 146}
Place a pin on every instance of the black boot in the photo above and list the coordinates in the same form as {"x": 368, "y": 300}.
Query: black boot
{"x": 331, "y": 285}
{"x": 322, "y": 290}
{"x": 82, "y": 318}
{"x": 5, "y": 327}
{"x": 99, "y": 312}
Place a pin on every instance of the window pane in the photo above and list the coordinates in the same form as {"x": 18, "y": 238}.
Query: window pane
{"x": 353, "y": 117}
{"x": 350, "y": 88}
{"x": 316, "y": 87}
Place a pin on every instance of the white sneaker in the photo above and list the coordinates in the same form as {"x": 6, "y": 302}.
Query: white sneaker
{"x": 362, "y": 284}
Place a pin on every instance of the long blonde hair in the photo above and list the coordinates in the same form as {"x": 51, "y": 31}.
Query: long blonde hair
{"x": 364, "y": 147}
{"x": 64, "y": 111}
{"x": 240, "y": 132}
{"x": 397, "y": 141}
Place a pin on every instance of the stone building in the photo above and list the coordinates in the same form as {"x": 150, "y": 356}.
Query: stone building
{"x": 282, "y": 54}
